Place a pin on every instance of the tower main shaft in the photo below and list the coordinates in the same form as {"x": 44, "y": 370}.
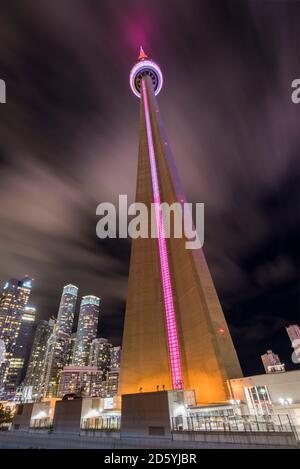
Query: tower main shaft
{"x": 173, "y": 316}
{"x": 172, "y": 335}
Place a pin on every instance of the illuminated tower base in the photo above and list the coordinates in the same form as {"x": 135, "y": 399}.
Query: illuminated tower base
{"x": 175, "y": 333}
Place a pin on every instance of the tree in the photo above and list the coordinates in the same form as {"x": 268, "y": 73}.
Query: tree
{"x": 6, "y": 415}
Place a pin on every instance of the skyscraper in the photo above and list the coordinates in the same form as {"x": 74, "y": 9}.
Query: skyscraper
{"x": 71, "y": 352}
{"x": 56, "y": 357}
{"x": 14, "y": 298}
{"x": 18, "y": 366}
{"x": 35, "y": 368}
{"x": 175, "y": 333}
{"x": 65, "y": 316}
{"x": 293, "y": 332}
{"x": 86, "y": 330}
{"x": 272, "y": 363}
{"x": 112, "y": 382}
{"x": 115, "y": 357}
{"x": 100, "y": 355}
{"x": 59, "y": 345}
{"x": 83, "y": 380}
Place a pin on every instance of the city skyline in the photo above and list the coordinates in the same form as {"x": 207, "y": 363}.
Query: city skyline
{"x": 290, "y": 365}
{"x": 150, "y": 191}
{"x": 62, "y": 362}
{"x": 235, "y": 152}
{"x": 42, "y": 316}
{"x": 39, "y": 354}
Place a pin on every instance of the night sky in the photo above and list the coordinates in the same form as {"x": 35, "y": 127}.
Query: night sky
{"x": 69, "y": 140}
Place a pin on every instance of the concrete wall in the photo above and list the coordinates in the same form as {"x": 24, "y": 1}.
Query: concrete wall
{"x": 280, "y": 385}
{"x": 240, "y": 439}
{"x": 59, "y": 440}
{"x": 40, "y": 410}
{"x": 22, "y": 416}
{"x": 67, "y": 415}
{"x": 146, "y": 414}
{"x": 91, "y": 406}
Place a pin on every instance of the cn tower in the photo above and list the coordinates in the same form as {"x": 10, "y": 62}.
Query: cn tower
{"x": 175, "y": 333}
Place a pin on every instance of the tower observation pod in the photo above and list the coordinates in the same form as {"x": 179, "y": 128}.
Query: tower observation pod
{"x": 173, "y": 317}
{"x": 145, "y": 67}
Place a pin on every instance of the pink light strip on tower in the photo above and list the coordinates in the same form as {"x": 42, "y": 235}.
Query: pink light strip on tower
{"x": 173, "y": 344}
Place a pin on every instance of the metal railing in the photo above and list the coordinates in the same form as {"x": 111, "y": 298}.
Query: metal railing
{"x": 112, "y": 423}
{"x": 235, "y": 423}
{"x": 40, "y": 423}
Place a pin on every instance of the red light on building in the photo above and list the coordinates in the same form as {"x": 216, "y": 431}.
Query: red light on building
{"x": 221, "y": 331}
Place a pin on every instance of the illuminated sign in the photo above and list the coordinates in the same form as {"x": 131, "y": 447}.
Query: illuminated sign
{"x": 108, "y": 403}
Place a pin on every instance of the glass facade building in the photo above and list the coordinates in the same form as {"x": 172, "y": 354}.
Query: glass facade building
{"x": 100, "y": 355}
{"x": 13, "y": 332}
{"x": 33, "y": 379}
{"x": 65, "y": 316}
{"x": 86, "y": 330}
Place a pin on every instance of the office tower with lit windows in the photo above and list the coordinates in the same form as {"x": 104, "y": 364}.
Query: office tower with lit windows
{"x": 59, "y": 347}
{"x": 272, "y": 363}
{"x": 112, "y": 382}
{"x": 65, "y": 316}
{"x": 115, "y": 357}
{"x": 293, "y": 332}
{"x": 86, "y": 329}
{"x": 80, "y": 380}
{"x": 32, "y": 382}
{"x": 56, "y": 357}
{"x": 175, "y": 332}
{"x": 18, "y": 366}
{"x": 100, "y": 355}
{"x": 13, "y": 301}
{"x": 71, "y": 351}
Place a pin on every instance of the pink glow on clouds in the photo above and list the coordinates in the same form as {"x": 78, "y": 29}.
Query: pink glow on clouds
{"x": 173, "y": 343}
{"x": 135, "y": 35}
{"x": 139, "y": 30}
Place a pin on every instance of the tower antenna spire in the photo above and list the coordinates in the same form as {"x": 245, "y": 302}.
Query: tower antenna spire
{"x": 142, "y": 55}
